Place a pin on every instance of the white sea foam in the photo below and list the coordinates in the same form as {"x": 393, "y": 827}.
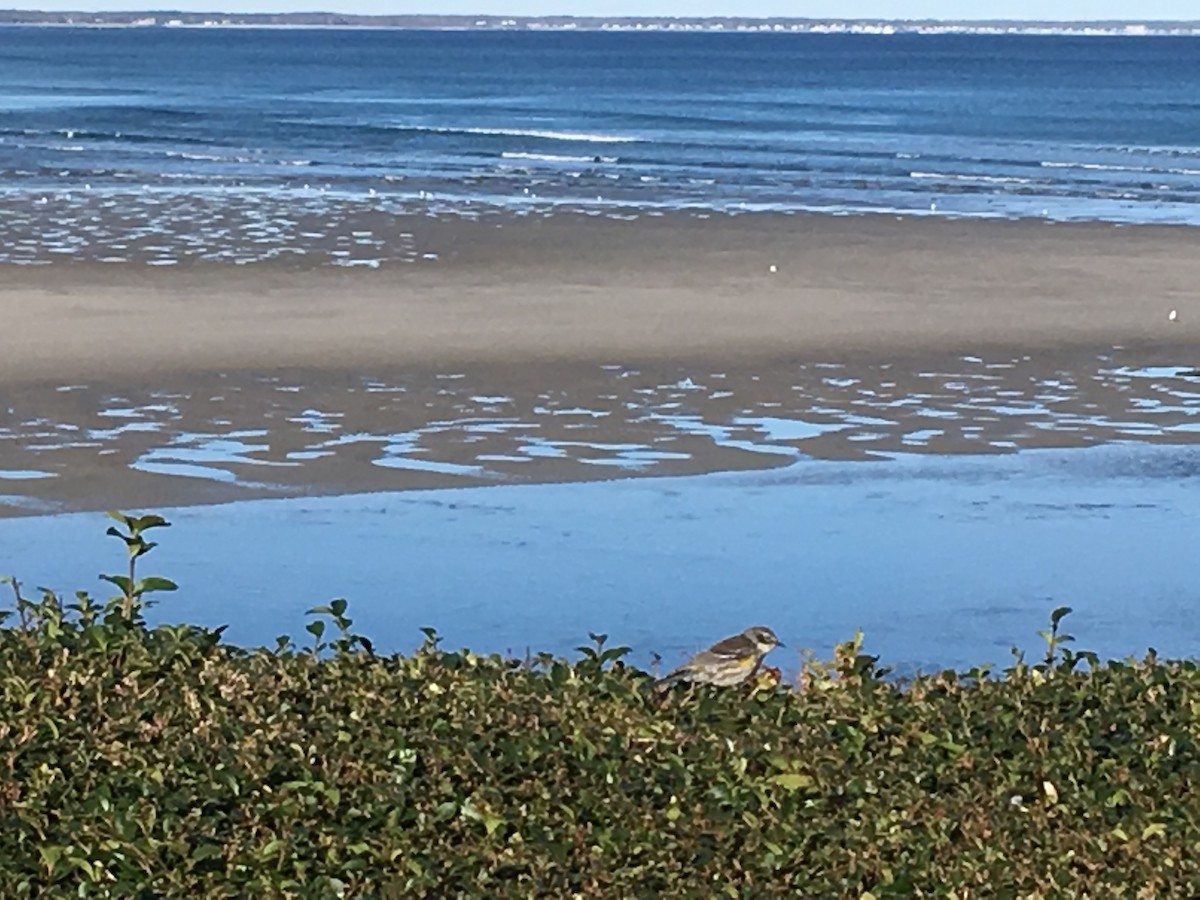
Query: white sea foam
{"x": 552, "y": 157}
{"x": 575, "y": 136}
{"x": 1153, "y": 150}
{"x": 203, "y": 157}
{"x": 1112, "y": 167}
{"x": 958, "y": 176}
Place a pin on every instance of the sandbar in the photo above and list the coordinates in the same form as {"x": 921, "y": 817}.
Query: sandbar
{"x": 573, "y": 288}
{"x": 569, "y": 347}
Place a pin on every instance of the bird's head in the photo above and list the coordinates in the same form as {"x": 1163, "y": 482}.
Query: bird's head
{"x": 763, "y": 637}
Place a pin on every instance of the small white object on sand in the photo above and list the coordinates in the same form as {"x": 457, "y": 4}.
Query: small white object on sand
{"x": 774, "y": 268}
{"x": 1173, "y": 316}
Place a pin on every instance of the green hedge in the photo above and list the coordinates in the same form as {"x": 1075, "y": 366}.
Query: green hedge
{"x": 143, "y": 762}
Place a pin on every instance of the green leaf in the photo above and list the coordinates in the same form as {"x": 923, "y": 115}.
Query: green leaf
{"x": 614, "y": 653}
{"x": 1058, "y": 614}
{"x": 154, "y": 583}
{"x": 122, "y": 582}
{"x": 141, "y": 548}
{"x": 129, "y": 541}
{"x": 1119, "y": 797}
{"x": 149, "y": 521}
{"x": 491, "y": 823}
{"x": 316, "y": 629}
{"x": 207, "y": 851}
{"x": 793, "y": 781}
{"x": 50, "y": 856}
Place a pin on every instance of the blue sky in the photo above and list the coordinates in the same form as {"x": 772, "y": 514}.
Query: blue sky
{"x": 879, "y": 9}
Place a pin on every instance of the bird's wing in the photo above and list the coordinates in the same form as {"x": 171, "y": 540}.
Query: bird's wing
{"x": 736, "y": 647}
{"x": 731, "y": 648}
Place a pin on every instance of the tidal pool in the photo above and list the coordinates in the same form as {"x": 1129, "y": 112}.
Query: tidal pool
{"x": 941, "y": 560}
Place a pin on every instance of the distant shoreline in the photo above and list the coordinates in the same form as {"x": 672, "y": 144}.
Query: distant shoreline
{"x": 715, "y": 25}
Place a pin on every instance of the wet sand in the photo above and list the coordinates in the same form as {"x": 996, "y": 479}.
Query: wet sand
{"x": 573, "y": 348}
{"x": 209, "y": 437}
{"x": 570, "y": 288}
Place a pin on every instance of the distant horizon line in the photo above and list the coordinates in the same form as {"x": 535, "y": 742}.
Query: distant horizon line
{"x": 164, "y": 11}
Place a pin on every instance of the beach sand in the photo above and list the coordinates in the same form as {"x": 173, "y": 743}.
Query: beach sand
{"x": 573, "y": 347}
{"x": 573, "y": 288}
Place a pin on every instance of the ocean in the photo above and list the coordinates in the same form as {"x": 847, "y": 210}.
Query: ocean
{"x": 161, "y": 126}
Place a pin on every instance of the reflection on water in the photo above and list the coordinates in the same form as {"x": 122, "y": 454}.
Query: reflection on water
{"x": 256, "y": 435}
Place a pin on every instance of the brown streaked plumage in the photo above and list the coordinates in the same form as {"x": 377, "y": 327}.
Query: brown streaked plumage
{"x": 731, "y": 661}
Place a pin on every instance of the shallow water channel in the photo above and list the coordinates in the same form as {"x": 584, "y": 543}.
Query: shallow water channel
{"x": 941, "y": 560}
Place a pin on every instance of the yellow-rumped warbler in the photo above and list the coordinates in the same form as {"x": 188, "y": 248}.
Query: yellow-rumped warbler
{"x": 731, "y": 661}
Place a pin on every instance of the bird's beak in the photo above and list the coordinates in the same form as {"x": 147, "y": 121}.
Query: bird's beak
{"x": 780, "y": 644}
